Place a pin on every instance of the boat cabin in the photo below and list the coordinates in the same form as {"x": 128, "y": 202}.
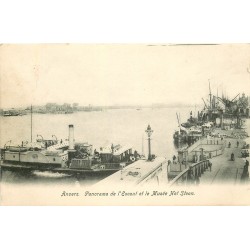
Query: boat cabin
{"x": 122, "y": 154}
{"x": 21, "y": 155}
{"x": 84, "y": 147}
{"x": 115, "y": 154}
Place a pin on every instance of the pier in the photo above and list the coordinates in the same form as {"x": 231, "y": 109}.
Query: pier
{"x": 203, "y": 148}
{"x": 223, "y": 170}
{"x": 207, "y": 162}
{"x": 139, "y": 173}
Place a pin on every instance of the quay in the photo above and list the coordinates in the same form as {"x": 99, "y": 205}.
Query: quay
{"x": 203, "y": 148}
{"x": 223, "y": 170}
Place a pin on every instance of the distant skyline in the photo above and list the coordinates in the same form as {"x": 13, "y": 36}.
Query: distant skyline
{"x": 153, "y": 105}
{"x": 105, "y": 75}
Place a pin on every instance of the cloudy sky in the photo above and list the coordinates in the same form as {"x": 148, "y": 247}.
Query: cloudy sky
{"x": 120, "y": 74}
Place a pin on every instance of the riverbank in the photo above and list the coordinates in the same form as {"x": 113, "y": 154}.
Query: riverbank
{"x": 218, "y": 149}
{"x": 224, "y": 170}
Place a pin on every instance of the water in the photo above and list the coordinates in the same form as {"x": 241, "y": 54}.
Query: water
{"x": 121, "y": 126}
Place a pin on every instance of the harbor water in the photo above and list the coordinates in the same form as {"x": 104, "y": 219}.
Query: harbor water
{"x": 99, "y": 128}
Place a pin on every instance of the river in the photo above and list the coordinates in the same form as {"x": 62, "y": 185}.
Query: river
{"x": 99, "y": 128}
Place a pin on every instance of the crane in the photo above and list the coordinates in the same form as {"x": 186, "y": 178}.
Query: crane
{"x": 210, "y": 94}
{"x": 234, "y": 98}
{"x": 204, "y": 103}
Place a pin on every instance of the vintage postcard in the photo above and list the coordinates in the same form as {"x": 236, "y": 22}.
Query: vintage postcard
{"x": 124, "y": 124}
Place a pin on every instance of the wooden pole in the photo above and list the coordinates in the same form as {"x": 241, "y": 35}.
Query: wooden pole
{"x": 31, "y": 125}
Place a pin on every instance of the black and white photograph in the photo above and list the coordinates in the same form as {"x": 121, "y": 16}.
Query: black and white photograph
{"x": 126, "y": 123}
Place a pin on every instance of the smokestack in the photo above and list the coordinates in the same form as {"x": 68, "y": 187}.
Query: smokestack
{"x": 71, "y": 137}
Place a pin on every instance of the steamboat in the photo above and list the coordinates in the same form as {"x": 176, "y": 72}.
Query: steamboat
{"x": 67, "y": 156}
{"x": 220, "y": 112}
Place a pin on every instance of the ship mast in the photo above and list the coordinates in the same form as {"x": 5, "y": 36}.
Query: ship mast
{"x": 31, "y": 125}
{"x": 217, "y": 100}
{"x": 210, "y": 94}
{"x": 178, "y": 122}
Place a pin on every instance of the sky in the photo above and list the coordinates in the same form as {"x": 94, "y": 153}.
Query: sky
{"x": 138, "y": 74}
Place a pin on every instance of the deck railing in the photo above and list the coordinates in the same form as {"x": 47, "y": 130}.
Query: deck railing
{"x": 190, "y": 175}
{"x": 208, "y": 153}
{"x": 87, "y": 164}
{"x": 212, "y": 141}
